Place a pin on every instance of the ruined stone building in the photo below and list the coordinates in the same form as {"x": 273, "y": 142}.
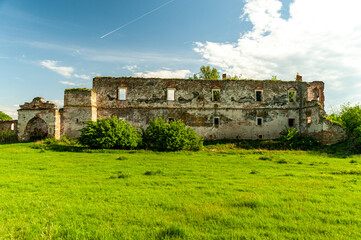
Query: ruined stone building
{"x": 215, "y": 109}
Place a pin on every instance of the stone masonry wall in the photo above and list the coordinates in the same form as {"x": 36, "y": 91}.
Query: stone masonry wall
{"x": 79, "y": 107}
{"x": 38, "y": 111}
{"x": 237, "y": 108}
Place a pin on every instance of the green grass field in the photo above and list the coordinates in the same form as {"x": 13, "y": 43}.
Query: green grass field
{"x": 221, "y": 192}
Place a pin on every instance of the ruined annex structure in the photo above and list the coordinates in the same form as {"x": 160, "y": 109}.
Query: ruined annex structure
{"x": 215, "y": 109}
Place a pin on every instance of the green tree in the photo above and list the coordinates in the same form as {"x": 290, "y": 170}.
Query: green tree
{"x": 350, "y": 118}
{"x": 4, "y": 117}
{"x": 208, "y": 74}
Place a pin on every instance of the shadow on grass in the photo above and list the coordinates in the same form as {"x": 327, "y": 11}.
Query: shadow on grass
{"x": 339, "y": 150}
{"x": 60, "y": 147}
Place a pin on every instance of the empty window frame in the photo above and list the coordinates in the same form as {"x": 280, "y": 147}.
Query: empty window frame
{"x": 170, "y": 94}
{"x": 260, "y": 136}
{"x": 259, "y": 121}
{"x": 291, "y": 122}
{"x": 122, "y": 93}
{"x": 308, "y": 120}
{"x": 291, "y": 96}
{"x": 216, "y": 121}
{"x": 12, "y": 128}
{"x": 259, "y": 95}
{"x": 216, "y": 95}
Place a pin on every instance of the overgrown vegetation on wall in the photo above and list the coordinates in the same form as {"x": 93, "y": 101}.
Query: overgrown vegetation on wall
{"x": 173, "y": 136}
{"x": 4, "y": 116}
{"x": 110, "y": 133}
{"x": 350, "y": 118}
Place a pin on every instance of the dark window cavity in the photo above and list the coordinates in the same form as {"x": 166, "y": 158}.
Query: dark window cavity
{"x": 216, "y": 121}
{"x": 291, "y": 122}
{"x": 258, "y": 96}
{"x": 259, "y": 121}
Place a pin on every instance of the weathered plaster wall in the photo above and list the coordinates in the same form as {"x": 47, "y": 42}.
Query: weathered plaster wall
{"x": 237, "y": 108}
{"x": 29, "y": 113}
{"x": 79, "y": 107}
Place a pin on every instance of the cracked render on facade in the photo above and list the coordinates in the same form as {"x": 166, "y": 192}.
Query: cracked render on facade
{"x": 215, "y": 109}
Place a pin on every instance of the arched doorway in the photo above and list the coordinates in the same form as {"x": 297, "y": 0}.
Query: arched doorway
{"x": 36, "y": 129}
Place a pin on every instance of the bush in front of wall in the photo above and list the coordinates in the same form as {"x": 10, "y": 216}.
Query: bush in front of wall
{"x": 292, "y": 139}
{"x": 8, "y": 136}
{"x": 110, "y": 133}
{"x": 172, "y": 136}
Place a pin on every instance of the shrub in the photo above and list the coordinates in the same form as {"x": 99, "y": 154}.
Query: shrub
{"x": 110, "y": 133}
{"x": 350, "y": 119}
{"x": 173, "y": 136}
{"x": 8, "y": 136}
{"x": 293, "y": 140}
{"x": 156, "y": 172}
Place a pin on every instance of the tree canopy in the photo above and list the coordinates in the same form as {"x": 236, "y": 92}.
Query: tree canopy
{"x": 207, "y": 73}
{"x": 4, "y": 116}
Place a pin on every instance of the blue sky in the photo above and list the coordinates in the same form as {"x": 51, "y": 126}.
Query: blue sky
{"x": 48, "y": 46}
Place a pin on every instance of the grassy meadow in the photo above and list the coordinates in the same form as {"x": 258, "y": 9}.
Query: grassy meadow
{"x": 222, "y": 192}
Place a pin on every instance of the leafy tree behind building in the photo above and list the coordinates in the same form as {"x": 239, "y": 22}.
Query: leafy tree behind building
{"x": 4, "y": 116}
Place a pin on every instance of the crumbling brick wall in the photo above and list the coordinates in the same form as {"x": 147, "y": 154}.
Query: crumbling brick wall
{"x": 8, "y": 125}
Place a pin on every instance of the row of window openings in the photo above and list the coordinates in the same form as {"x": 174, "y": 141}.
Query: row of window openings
{"x": 215, "y": 95}
{"x": 216, "y": 121}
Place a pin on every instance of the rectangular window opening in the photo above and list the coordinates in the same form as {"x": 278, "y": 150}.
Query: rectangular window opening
{"x": 216, "y": 96}
{"x": 259, "y": 121}
{"x": 122, "y": 94}
{"x": 258, "y": 96}
{"x": 170, "y": 94}
{"x": 260, "y": 136}
{"x": 291, "y": 122}
{"x": 291, "y": 96}
{"x": 216, "y": 121}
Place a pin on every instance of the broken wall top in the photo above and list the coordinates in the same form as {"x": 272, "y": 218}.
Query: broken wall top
{"x": 38, "y": 103}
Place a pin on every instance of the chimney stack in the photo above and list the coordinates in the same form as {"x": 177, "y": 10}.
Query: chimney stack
{"x": 224, "y": 76}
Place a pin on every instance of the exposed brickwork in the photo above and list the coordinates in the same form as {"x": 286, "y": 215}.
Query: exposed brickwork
{"x": 8, "y": 125}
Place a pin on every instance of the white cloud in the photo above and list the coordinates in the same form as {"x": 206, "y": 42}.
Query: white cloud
{"x": 84, "y": 77}
{"x": 130, "y": 68}
{"x": 70, "y": 83}
{"x": 321, "y": 40}
{"x": 52, "y": 65}
{"x": 64, "y": 71}
{"x": 164, "y": 74}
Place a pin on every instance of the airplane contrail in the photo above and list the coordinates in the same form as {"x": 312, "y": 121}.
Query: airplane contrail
{"x": 138, "y": 18}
